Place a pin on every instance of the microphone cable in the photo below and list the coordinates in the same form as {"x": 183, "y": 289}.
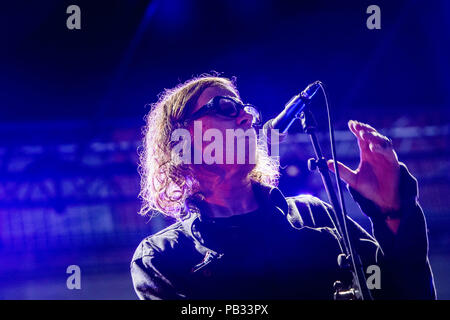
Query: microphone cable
{"x": 345, "y": 233}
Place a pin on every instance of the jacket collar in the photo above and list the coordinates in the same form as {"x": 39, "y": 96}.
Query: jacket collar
{"x": 268, "y": 197}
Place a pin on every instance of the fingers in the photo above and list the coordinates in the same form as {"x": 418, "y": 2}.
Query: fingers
{"x": 360, "y": 126}
{"x": 346, "y": 174}
{"x": 376, "y": 138}
{"x": 356, "y": 129}
{"x": 370, "y": 140}
{"x": 368, "y": 134}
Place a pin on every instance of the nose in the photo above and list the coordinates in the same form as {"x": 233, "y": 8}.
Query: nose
{"x": 244, "y": 119}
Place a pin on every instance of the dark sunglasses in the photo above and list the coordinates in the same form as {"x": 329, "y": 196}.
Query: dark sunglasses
{"x": 228, "y": 107}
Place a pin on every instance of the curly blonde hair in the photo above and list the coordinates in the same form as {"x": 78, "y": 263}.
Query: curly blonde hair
{"x": 166, "y": 183}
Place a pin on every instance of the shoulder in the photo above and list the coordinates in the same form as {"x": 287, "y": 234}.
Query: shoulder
{"x": 309, "y": 211}
{"x": 167, "y": 253}
{"x": 302, "y": 210}
{"x": 164, "y": 240}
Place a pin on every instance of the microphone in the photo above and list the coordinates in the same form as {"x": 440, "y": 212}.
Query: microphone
{"x": 291, "y": 111}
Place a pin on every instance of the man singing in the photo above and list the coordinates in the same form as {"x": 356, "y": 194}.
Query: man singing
{"x": 237, "y": 236}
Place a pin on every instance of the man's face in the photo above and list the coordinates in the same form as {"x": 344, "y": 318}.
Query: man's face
{"x": 238, "y": 145}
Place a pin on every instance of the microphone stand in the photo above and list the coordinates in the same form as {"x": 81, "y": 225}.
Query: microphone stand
{"x": 349, "y": 260}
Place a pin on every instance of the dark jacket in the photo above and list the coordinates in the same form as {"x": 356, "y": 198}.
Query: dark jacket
{"x": 288, "y": 250}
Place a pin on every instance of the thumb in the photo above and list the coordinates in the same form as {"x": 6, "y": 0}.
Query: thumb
{"x": 346, "y": 174}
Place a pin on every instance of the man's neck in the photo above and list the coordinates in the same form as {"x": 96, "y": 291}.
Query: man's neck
{"x": 228, "y": 195}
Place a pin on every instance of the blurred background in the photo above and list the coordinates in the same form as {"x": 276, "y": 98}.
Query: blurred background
{"x": 72, "y": 104}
